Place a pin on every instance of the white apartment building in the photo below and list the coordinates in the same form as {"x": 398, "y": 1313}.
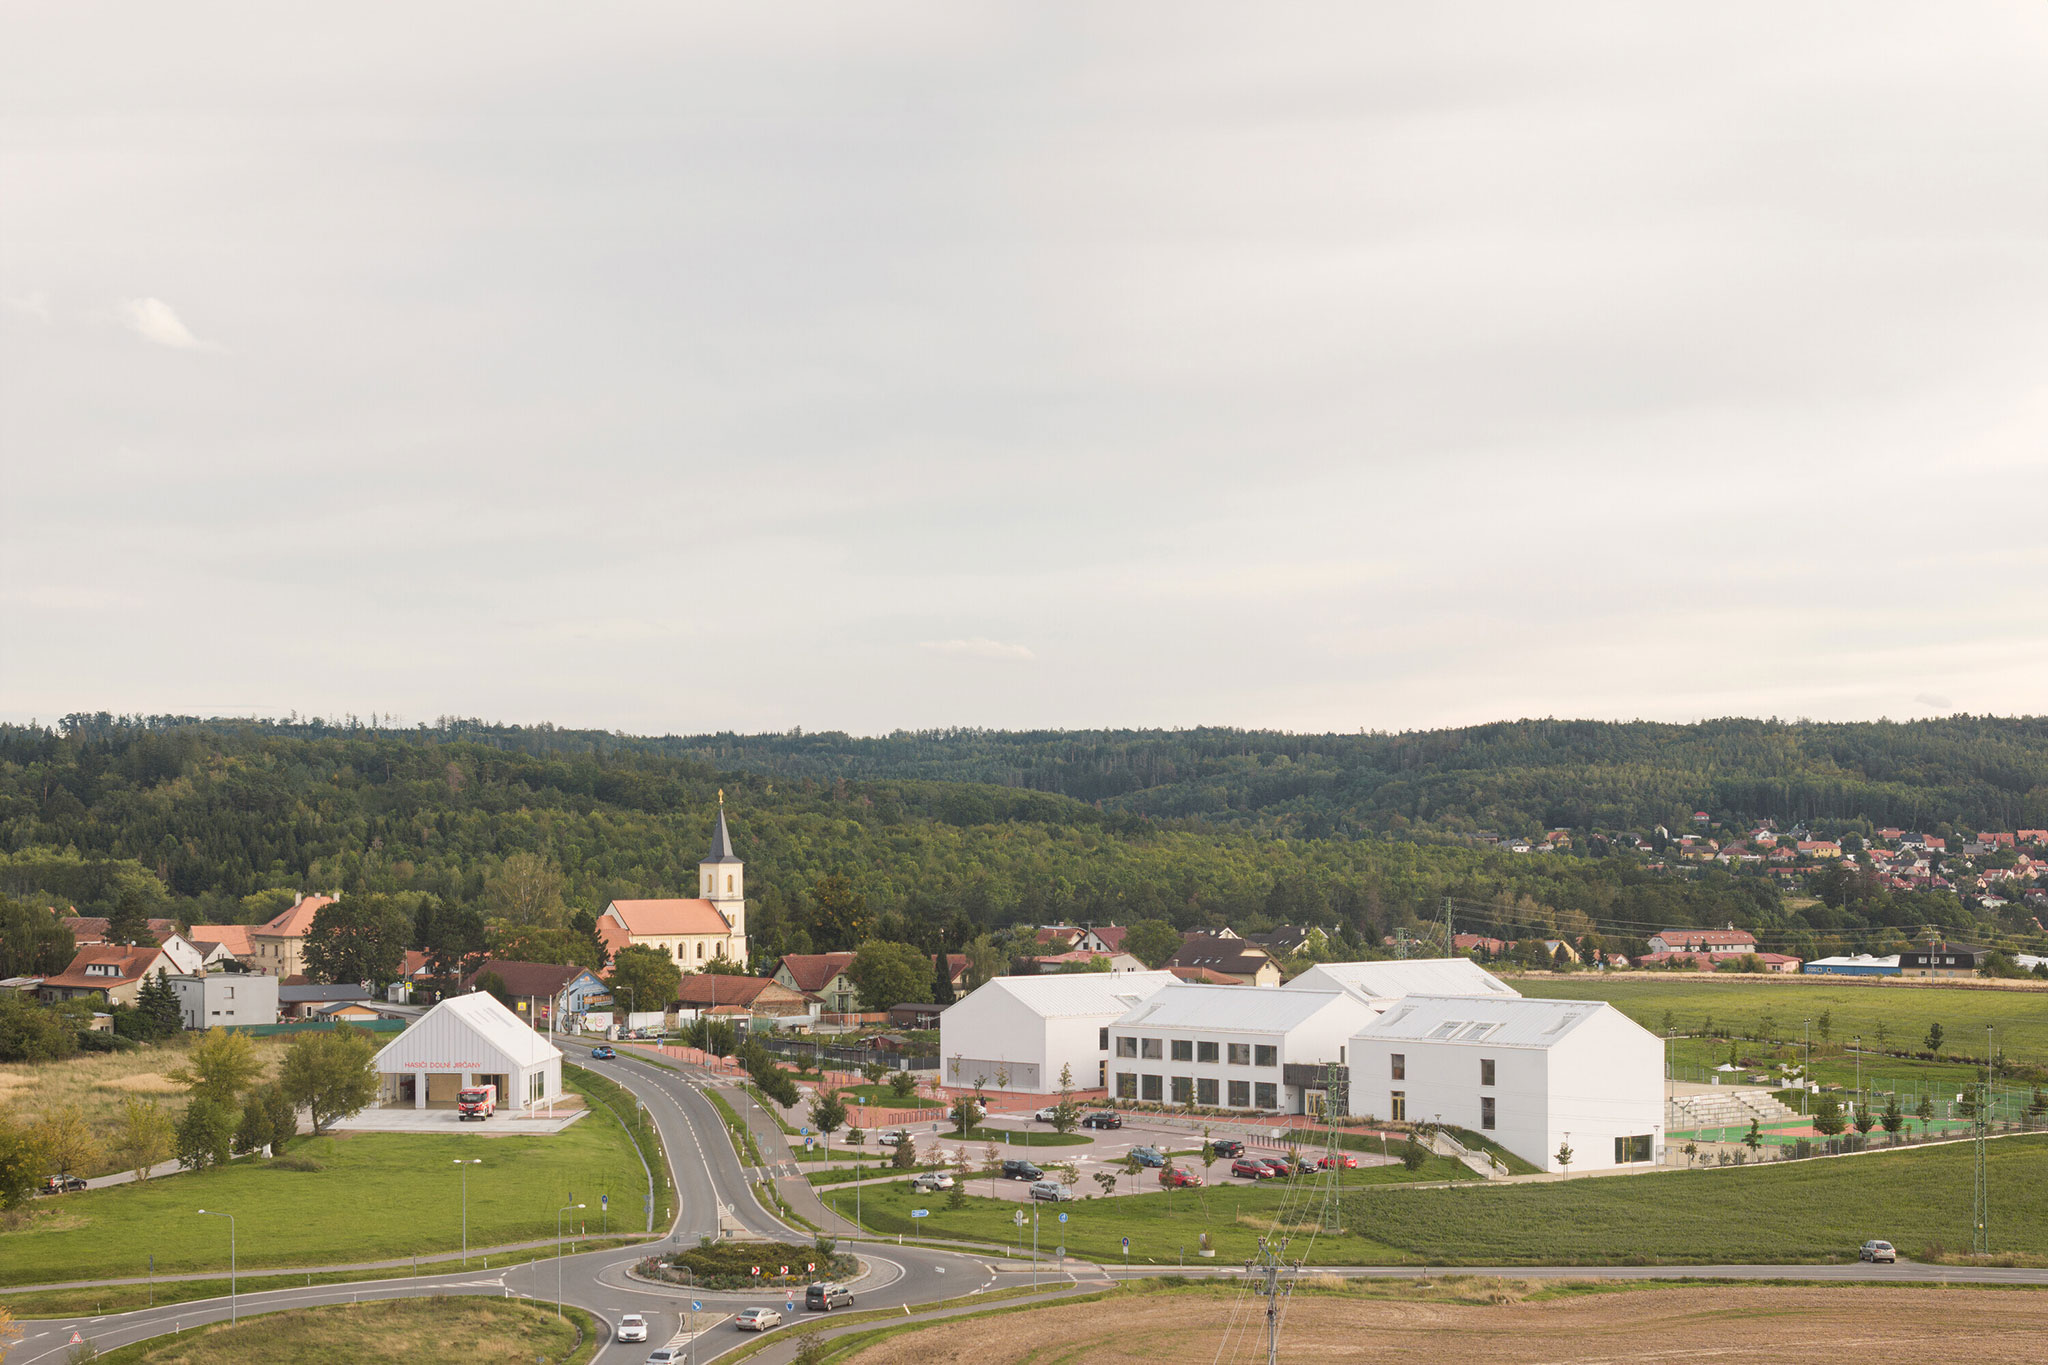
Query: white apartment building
{"x": 1533, "y": 1075}
{"x": 1015, "y": 1034}
{"x": 222, "y": 999}
{"x": 1231, "y": 1047}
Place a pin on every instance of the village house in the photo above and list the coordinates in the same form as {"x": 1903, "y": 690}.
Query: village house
{"x": 822, "y": 977}
{"x": 1228, "y": 955}
{"x": 116, "y": 972}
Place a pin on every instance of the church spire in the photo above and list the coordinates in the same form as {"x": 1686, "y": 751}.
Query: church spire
{"x": 721, "y": 838}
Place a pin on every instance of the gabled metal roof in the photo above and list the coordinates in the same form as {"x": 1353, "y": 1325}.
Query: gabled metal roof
{"x": 1495, "y": 1022}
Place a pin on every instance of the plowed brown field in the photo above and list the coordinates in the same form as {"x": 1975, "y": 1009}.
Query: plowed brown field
{"x": 1733, "y": 1325}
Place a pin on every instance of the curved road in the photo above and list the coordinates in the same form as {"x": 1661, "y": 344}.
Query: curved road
{"x": 711, "y": 1180}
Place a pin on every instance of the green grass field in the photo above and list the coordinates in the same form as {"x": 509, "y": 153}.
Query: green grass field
{"x": 882, "y": 1097}
{"x": 376, "y": 1196}
{"x": 2020, "y": 1017}
{"x": 459, "y": 1331}
{"x": 1804, "y": 1211}
{"x": 1234, "y": 1213}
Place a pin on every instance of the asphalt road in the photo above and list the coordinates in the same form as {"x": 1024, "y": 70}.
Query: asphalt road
{"x": 710, "y": 1178}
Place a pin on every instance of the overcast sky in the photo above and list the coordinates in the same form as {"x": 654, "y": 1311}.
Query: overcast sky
{"x": 680, "y": 367}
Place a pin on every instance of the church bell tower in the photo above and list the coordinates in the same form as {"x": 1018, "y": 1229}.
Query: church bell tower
{"x": 722, "y": 880}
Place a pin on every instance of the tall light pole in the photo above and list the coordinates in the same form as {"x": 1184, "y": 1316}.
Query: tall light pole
{"x": 234, "y": 1298}
{"x": 1806, "y": 1069}
{"x": 558, "y": 1257}
{"x": 1859, "y": 1076}
{"x": 465, "y": 1165}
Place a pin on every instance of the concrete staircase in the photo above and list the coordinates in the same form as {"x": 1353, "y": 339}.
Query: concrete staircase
{"x": 1723, "y": 1109}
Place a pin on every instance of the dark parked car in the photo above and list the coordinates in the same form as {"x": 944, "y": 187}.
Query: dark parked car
{"x": 1252, "y": 1170}
{"x": 1148, "y": 1156}
{"x": 1227, "y": 1147}
{"x": 62, "y": 1184}
{"x": 1021, "y": 1170}
{"x": 1103, "y": 1118}
{"x": 603, "y": 1054}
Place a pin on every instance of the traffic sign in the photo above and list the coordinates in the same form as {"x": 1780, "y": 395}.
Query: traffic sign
{"x": 920, "y": 1213}
{"x": 76, "y": 1340}
{"x": 810, "y": 1265}
{"x": 757, "y": 1270}
{"x": 604, "y": 1201}
{"x": 1063, "y": 1215}
{"x": 785, "y": 1270}
{"x": 790, "y": 1304}
{"x": 1019, "y": 1216}
{"x": 1127, "y": 1244}
{"x": 696, "y": 1305}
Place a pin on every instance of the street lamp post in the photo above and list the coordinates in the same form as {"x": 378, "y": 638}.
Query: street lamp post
{"x": 234, "y": 1297}
{"x": 465, "y": 1165}
{"x": 558, "y": 1257}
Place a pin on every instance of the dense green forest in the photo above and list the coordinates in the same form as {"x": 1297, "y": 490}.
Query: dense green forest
{"x": 209, "y": 821}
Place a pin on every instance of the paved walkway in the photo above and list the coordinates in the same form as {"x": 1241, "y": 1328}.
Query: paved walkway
{"x": 790, "y": 1182}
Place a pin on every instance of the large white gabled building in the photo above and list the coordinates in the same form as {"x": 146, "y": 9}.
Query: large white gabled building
{"x": 1231, "y": 1047}
{"x": 1016, "y": 1033}
{"x": 469, "y": 1040}
{"x": 1403, "y": 977}
{"x": 1533, "y": 1075}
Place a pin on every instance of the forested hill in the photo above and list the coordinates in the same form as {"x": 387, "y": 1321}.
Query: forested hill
{"x": 213, "y": 821}
{"x": 1515, "y": 777}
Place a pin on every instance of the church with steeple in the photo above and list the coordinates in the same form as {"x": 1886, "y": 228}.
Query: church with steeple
{"x": 696, "y": 931}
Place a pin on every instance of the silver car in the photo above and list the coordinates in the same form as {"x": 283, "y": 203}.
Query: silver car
{"x": 1875, "y": 1251}
{"x": 757, "y": 1319}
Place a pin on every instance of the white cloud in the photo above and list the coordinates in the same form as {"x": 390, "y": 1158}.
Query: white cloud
{"x": 35, "y": 305}
{"x": 980, "y": 648}
{"x": 155, "y": 320}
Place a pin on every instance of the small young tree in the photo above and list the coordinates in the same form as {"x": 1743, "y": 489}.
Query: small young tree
{"x": 956, "y": 1198}
{"x": 904, "y": 1158}
{"x": 1106, "y": 1179}
{"x": 828, "y": 1116}
{"x": 1066, "y": 1115}
{"x": 206, "y": 1133}
{"x": 903, "y": 1085}
{"x": 1893, "y": 1119}
{"x": 965, "y": 1113}
{"x": 144, "y": 1136}
{"x": 252, "y": 1132}
{"x": 1924, "y": 1110}
{"x": 1133, "y": 1169}
{"x": 1413, "y": 1154}
{"x": 1825, "y": 1024}
{"x": 1564, "y": 1156}
{"x": 873, "y": 1072}
{"x": 1881, "y": 1033}
{"x": 330, "y": 1074}
{"x": 1934, "y": 1039}
{"x": 1754, "y": 1138}
{"x": 284, "y": 1117}
{"x": 220, "y": 1066}
{"x": 1069, "y": 1175}
{"x": 1827, "y": 1115}
{"x": 68, "y": 1140}
{"x": 994, "y": 1156}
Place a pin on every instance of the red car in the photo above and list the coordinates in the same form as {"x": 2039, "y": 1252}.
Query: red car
{"x": 1252, "y": 1170}
{"x": 1277, "y": 1166}
{"x": 1177, "y": 1177}
{"x": 1340, "y": 1161}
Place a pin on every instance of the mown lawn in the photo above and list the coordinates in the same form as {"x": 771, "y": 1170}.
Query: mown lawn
{"x": 2019, "y": 1016}
{"x": 458, "y": 1331}
{"x": 376, "y": 1196}
{"x": 1234, "y": 1213}
{"x": 1818, "y": 1210}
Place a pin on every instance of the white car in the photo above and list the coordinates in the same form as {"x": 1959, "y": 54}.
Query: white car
{"x": 632, "y": 1327}
{"x": 892, "y": 1137}
{"x": 665, "y": 1356}
{"x": 1046, "y": 1115}
{"x": 757, "y": 1319}
{"x": 931, "y": 1180}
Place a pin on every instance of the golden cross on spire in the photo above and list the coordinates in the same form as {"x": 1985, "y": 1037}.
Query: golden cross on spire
{"x": 721, "y": 796}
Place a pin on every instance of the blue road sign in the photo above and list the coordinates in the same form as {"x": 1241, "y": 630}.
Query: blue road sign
{"x": 1063, "y": 1216}
{"x": 790, "y": 1304}
{"x": 604, "y": 1201}
{"x": 696, "y": 1306}
{"x": 920, "y": 1213}
{"x": 1127, "y": 1244}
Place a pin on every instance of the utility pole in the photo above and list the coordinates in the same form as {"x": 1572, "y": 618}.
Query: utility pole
{"x": 1401, "y": 942}
{"x": 1980, "y": 1226}
{"x": 1336, "y": 1102}
{"x": 1450, "y": 940}
{"x": 1269, "y": 1267}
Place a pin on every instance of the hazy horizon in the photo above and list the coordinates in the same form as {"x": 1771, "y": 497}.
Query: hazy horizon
{"x": 678, "y": 369}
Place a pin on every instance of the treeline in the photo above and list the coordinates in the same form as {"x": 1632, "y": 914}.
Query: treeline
{"x": 216, "y": 821}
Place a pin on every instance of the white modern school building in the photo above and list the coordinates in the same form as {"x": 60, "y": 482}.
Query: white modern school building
{"x": 463, "y": 1041}
{"x": 1533, "y": 1075}
{"x": 1016, "y": 1033}
{"x": 1232, "y": 1047}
